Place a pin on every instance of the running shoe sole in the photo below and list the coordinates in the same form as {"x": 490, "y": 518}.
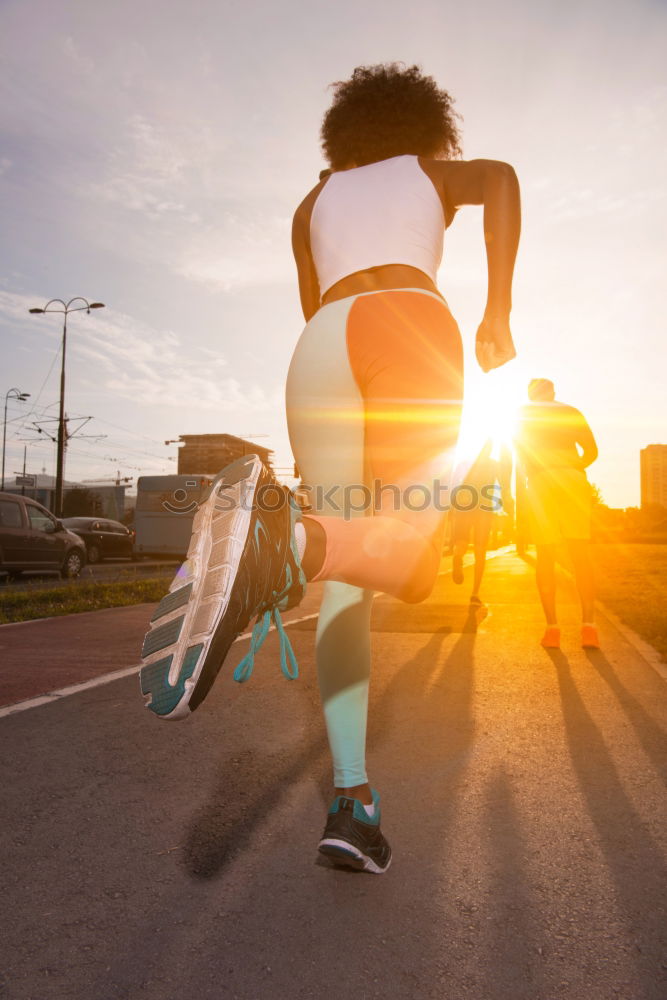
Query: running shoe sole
{"x": 191, "y": 629}
{"x": 342, "y": 853}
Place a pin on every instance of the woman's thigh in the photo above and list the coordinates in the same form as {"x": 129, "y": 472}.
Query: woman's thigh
{"x": 406, "y": 355}
{"x": 326, "y": 415}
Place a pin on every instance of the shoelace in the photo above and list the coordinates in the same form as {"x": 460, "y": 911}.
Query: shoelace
{"x": 259, "y": 634}
{"x": 271, "y": 614}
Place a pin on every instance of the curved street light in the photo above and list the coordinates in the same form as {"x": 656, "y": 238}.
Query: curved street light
{"x": 67, "y": 307}
{"x": 11, "y": 394}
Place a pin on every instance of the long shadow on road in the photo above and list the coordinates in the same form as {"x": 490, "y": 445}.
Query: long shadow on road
{"x": 634, "y": 860}
{"x": 437, "y": 694}
{"x": 651, "y": 735}
{"x": 511, "y": 967}
{"x": 222, "y": 828}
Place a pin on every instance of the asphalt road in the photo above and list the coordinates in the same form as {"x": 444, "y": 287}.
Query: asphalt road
{"x": 523, "y": 794}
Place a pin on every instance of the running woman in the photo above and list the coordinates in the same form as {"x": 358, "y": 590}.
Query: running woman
{"x": 374, "y": 395}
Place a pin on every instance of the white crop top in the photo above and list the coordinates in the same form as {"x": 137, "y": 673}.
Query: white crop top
{"x": 384, "y": 213}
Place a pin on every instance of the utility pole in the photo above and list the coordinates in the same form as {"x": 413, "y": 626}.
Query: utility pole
{"x": 11, "y": 394}
{"x": 67, "y": 308}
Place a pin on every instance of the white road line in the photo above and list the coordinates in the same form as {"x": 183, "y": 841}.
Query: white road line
{"x": 116, "y": 675}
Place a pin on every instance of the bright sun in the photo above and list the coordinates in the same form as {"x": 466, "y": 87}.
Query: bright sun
{"x": 489, "y": 411}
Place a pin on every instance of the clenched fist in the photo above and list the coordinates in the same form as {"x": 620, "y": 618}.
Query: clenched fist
{"x": 494, "y": 346}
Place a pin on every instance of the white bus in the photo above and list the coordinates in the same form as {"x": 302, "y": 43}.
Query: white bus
{"x": 163, "y": 516}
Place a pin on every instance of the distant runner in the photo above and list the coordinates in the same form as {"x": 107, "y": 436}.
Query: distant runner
{"x": 559, "y": 499}
{"x": 489, "y": 482}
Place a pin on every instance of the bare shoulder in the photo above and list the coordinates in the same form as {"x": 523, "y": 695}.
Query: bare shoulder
{"x": 462, "y": 182}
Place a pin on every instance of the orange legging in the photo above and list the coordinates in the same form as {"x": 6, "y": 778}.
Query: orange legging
{"x": 380, "y": 375}
{"x": 373, "y": 405}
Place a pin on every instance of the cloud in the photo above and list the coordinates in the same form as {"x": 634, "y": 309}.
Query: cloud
{"x": 76, "y": 58}
{"x": 190, "y": 390}
{"x": 15, "y": 306}
{"x": 154, "y": 367}
{"x": 131, "y": 360}
{"x": 585, "y": 203}
{"x": 182, "y": 177}
{"x": 146, "y": 170}
{"x": 250, "y": 247}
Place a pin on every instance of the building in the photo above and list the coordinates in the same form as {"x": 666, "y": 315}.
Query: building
{"x": 209, "y": 453}
{"x": 653, "y": 465}
{"x": 109, "y": 500}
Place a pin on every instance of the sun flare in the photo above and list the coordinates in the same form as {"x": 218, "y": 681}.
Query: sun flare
{"x": 489, "y": 412}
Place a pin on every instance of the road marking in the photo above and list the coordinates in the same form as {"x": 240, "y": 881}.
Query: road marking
{"x": 116, "y": 675}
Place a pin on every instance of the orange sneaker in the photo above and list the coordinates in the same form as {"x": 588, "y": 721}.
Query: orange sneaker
{"x": 589, "y": 637}
{"x": 551, "y": 637}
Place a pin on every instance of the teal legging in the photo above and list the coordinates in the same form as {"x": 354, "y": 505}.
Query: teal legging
{"x": 343, "y": 645}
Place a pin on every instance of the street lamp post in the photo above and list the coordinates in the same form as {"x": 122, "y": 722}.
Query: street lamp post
{"x": 67, "y": 308}
{"x": 11, "y": 394}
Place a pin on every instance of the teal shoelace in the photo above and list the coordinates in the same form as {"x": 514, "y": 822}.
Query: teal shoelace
{"x": 259, "y": 634}
{"x": 271, "y": 615}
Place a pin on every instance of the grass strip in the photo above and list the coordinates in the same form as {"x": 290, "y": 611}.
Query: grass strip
{"x": 632, "y": 581}
{"x": 70, "y": 600}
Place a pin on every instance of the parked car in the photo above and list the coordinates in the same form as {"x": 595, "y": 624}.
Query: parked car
{"x": 32, "y": 538}
{"x": 103, "y": 538}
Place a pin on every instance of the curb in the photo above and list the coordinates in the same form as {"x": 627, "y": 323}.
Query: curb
{"x": 77, "y": 614}
{"x": 645, "y": 649}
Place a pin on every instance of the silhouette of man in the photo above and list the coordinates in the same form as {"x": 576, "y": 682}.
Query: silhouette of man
{"x": 554, "y": 447}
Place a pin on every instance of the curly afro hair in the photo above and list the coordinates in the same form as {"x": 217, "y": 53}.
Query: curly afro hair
{"x": 388, "y": 110}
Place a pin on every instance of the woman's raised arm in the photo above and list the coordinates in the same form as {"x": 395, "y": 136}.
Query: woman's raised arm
{"x": 494, "y": 185}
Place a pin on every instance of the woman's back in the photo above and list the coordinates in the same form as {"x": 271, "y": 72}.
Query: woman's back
{"x": 387, "y": 212}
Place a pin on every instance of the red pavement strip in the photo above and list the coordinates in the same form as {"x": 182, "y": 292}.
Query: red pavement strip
{"x": 52, "y": 653}
{"x": 46, "y": 656}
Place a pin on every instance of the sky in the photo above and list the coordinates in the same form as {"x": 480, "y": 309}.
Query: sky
{"x": 152, "y": 155}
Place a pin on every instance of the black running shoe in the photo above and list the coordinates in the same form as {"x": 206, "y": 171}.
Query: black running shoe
{"x": 242, "y": 561}
{"x": 353, "y": 838}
